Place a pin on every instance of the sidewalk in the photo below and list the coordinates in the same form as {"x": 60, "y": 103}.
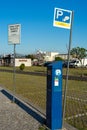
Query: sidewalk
{"x": 13, "y": 117}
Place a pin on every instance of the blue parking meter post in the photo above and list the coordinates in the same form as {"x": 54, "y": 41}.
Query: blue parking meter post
{"x": 54, "y": 96}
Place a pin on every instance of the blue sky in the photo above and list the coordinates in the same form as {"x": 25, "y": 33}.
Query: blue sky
{"x": 37, "y": 31}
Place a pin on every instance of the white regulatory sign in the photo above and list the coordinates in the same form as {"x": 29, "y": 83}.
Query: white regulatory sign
{"x": 62, "y": 18}
{"x": 14, "y": 31}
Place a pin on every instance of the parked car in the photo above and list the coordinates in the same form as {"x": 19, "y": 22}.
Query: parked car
{"x": 71, "y": 64}
{"x": 75, "y": 63}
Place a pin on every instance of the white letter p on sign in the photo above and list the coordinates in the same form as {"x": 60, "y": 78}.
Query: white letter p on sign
{"x": 59, "y": 13}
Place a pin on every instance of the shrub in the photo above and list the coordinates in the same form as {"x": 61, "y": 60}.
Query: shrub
{"x": 58, "y": 59}
{"x": 22, "y": 66}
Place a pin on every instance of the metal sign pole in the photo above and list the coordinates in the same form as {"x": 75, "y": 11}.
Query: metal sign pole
{"x": 67, "y": 71}
{"x": 14, "y": 38}
{"x": 14, "y": 88}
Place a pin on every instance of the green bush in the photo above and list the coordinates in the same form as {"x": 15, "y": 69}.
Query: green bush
{"x": 58, "y": 59}
{"x": 22, "y": 66}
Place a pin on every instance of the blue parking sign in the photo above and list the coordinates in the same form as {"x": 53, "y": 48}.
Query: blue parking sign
{"x": 62, "y": 18}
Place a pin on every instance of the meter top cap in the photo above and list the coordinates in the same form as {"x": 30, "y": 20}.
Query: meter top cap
{"x": 55, "y": 64}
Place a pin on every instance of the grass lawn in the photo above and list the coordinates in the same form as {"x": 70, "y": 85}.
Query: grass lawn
{"x": 33, "y": 89}
{"x": 30, "y": 87}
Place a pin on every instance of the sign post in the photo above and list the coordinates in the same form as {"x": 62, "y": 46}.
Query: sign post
{"x": 13, "y": 39}
{"x": 64, "y": 19}
{"x": 67, "y": 72}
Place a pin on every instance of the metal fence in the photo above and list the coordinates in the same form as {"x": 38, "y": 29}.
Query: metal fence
{"x": 32, "y": 88}
{"x": 76, "y": 104}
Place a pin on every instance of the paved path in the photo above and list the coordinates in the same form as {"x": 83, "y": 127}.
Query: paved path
{"x": 12, "y": 117}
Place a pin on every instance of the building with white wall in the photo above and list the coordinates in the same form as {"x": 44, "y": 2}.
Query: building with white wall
{"x": 64, "y": 56}
{"x": 50, "y": 56}
{"x": 27, "y": 62}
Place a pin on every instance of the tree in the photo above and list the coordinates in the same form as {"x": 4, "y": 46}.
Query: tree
{"x": 79, "y": 53}
{"x": 58, "y": 59}
{"x": 30, "y": 56}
